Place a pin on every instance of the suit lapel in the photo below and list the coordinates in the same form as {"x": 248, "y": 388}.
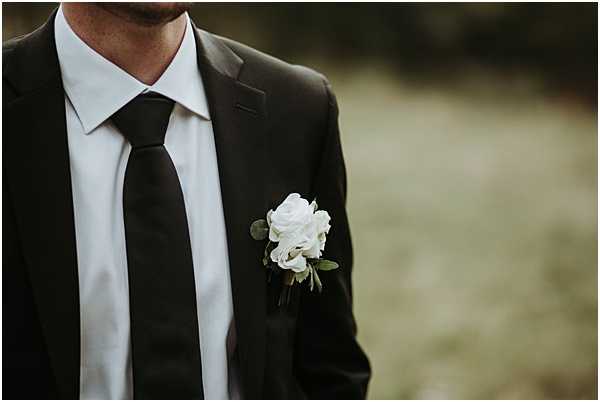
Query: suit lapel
{"x": 36, "y": 162}
{"x": 238, "y": 115}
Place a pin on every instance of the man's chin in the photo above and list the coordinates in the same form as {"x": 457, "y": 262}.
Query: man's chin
{"x": 146, "y": 14}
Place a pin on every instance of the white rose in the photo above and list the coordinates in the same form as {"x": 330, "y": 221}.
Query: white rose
{"x": 293, "y": 214}
{"x": 300, "y": 232}
{"x": 288, "y": 256}
{"x": 307, "y": 240}
{"x": 321, "y": 219}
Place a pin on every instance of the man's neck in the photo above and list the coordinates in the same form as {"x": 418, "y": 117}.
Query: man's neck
{"x": 144, "y": 52}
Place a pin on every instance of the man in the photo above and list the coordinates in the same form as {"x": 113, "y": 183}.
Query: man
{"x": 138, "y": 150}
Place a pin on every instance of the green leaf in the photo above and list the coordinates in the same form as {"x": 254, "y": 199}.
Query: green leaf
{"x": 318, "y": 281}
{"x": 326, "y": 265}
{"x": 259, "y": 230}
{"x": 301, "y": 276}
{"x": 267, "y": 255}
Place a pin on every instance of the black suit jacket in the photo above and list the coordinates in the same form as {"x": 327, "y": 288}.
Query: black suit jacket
{"x": 276, "y": 132}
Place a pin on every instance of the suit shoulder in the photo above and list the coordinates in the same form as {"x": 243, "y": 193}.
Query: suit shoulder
{"x": 15, "y": 53}
{"x": 275, "y": 75}
{"x": 10, "y": 46}
{"x": 8, "y": 50}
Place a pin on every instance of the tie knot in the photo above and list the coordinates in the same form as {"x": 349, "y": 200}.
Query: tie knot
{"x": 144, "y": 120}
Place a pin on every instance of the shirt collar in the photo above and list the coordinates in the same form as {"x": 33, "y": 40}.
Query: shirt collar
{"x": 97, "y": 88}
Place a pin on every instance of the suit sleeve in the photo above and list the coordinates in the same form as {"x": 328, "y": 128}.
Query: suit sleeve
{"x": 329, "y": 363}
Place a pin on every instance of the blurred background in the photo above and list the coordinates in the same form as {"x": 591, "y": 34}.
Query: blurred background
{"x": 470, "y": 137}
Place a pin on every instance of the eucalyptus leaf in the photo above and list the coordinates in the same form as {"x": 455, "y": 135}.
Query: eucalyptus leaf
{"x": 301, "y": 276}
{"x": 259, "y": 230}
{"x": 326, "y": 265}
{"x": 318, "y": 281}
{"x": 266, "y": 257}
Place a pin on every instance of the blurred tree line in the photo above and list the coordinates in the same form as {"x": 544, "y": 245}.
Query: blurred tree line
{"x": 557, "y": 41}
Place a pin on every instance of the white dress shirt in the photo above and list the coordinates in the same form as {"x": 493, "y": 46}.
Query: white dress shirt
{"x": 95, "y": 88}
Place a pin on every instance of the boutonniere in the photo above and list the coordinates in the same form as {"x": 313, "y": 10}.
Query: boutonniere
{"x": 296, "y": 232}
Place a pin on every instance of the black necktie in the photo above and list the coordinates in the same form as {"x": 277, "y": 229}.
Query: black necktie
{"x": 164, "y": 323}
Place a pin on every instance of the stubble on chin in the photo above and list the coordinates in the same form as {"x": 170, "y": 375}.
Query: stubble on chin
{"x": 146, "y": 14}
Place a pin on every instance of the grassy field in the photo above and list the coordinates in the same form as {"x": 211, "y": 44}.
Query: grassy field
{"x": 474, "y": 216}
